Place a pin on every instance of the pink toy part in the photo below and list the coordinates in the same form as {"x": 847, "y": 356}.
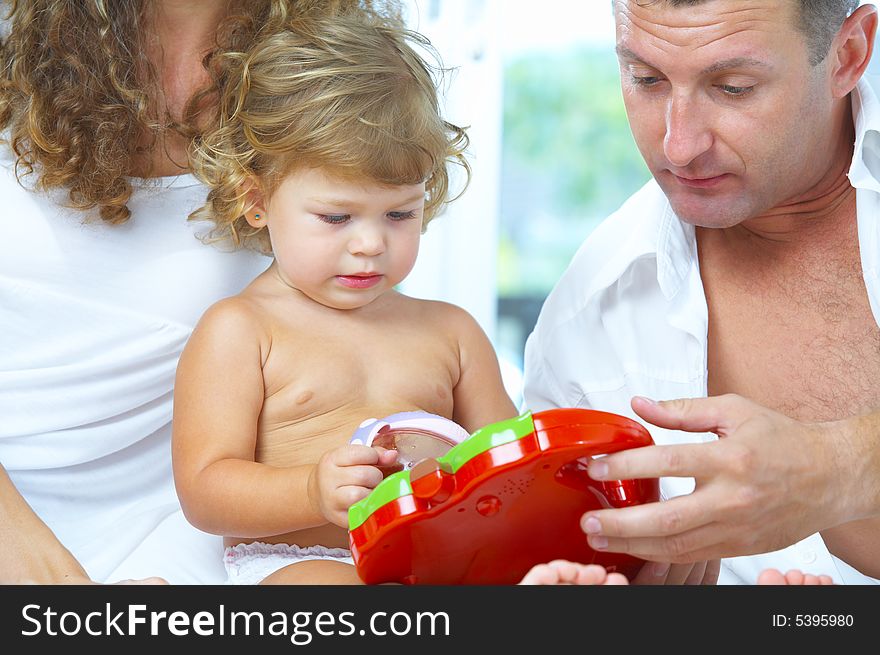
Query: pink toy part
{"x": 414, "y": 435}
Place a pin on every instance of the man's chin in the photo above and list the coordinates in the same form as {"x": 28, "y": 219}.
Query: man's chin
{"x": 704, "y": 210}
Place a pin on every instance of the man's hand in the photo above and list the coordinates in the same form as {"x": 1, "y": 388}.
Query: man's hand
{"x": 345, "y": 475}
{"x": 663, "y": 573}
{"x": 768, "y": 482}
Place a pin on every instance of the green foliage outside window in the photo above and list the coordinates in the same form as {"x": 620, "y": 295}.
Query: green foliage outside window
{"x": 568, "y": 161}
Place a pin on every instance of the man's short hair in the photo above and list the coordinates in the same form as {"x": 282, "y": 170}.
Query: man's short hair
{"x": 819, "y": 20}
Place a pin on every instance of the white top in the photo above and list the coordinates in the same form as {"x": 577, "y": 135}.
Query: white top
{"x": 94, "y": 318}
{"x": 629, "y": 317}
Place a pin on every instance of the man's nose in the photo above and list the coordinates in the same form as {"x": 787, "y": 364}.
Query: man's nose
{"x": 687, "y": 132}
{"x": 368, "y": 239}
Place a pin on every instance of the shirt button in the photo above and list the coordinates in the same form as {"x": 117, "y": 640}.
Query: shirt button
{"x": 808, "y": 556}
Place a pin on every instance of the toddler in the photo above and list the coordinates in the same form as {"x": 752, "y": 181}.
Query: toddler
{"x": 332, "y": 155}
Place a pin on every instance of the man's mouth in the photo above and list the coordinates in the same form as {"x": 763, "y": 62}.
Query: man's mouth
{"x": 700, "y": 182}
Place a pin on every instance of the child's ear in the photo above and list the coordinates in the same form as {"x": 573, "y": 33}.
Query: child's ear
{"x": 255, "y": 209}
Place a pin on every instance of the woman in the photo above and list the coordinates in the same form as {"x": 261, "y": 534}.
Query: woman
{"x": 101, "y": 276}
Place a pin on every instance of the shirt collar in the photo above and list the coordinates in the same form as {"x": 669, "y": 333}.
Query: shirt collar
{"x": 676, "y": 251}
{"x": 864, "y": 172}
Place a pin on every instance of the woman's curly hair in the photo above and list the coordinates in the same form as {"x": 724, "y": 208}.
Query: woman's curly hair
{"x": 78, "y": 94}
{"x": 349, "y": 95}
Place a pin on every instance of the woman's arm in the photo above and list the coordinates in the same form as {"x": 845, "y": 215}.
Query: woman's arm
{"x": 32, "y": 554}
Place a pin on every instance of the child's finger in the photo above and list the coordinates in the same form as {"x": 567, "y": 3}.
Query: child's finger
{"x": 591, "y": 574}
{"x": 354, "y": 454}
{"x": 616, "y": 579}
{"x": 359, "y": 476}
{"x": 386, "y": 456}
{"x": 542, "y": 574}
{"x": 794, "y": 577}
{"x": 566, "y": 572}
{"x": 771, "y": 577}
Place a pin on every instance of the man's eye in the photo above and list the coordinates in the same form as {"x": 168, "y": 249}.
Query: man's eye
{"x": 645, "y": 81}
{"x": 735, "y": 90}
{"x": 334, "y": 219}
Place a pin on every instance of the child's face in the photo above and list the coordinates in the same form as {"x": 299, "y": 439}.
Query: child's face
{"x": 341, "y": 243}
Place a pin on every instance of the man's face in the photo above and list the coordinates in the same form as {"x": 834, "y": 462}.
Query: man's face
{"x": 724, "y": 106}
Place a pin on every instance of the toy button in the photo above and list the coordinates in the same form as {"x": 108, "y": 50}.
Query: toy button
{"x": 489, "y": 505}
{"x": 431, "y": 482}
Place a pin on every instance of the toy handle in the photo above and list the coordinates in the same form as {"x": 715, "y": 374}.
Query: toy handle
{"x": 602, "y": 432}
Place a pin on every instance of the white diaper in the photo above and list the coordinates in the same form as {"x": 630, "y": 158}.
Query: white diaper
{"x": 251, "y": 563}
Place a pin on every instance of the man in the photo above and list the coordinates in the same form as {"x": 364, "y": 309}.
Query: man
{"x": 745, "y": 271}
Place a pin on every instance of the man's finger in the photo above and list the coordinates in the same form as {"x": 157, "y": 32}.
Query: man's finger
{"x": 690, "y": 546}
{"x": 698, "y": 572}
{"x": 653, "y": 573}
{"x": 679, "y": 461}
{"x": 713, "y": 570}
{"x": 716, "y": 414}
{"x": 662, "y": 519}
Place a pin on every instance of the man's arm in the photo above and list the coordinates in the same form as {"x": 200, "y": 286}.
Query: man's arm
{"x": 768, "y": 482}
{"x": 32, "y": 553}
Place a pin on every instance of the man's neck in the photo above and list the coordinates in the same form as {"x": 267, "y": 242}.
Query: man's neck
{"x": 825, "y": 204}
{"x": 821, "y": 212}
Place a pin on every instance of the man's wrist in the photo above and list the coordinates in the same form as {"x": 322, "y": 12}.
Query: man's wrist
{"x": 852, "y": 448}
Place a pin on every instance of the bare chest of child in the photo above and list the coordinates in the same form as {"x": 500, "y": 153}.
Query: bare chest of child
{"x": 327, "y": 371}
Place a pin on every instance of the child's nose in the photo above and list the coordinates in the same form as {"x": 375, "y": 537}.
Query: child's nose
{"x": 369, "y": 241}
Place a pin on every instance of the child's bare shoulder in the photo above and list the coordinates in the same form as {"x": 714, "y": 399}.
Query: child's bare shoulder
{"x": 234, "y": 324}
{"x": 235, "y": 312}
{"x": 445, "y": 315}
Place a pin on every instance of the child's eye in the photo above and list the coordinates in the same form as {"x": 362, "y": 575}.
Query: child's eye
{"x": 401, "y": 216}
{"x": 334, "y": 219}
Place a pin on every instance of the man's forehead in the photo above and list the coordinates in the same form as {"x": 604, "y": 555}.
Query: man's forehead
{"x": 647, "y": 26}
{"x": 693, "y": 15}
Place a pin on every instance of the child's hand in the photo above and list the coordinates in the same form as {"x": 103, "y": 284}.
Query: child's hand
{"x": 344, "y": 476}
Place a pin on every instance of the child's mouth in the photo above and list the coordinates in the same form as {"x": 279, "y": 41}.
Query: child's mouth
{"x": 364, "y": 281}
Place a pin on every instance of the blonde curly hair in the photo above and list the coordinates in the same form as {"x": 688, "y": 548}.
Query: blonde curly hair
{"x": 349, "y": 95}
{"x": 78, "y": 95}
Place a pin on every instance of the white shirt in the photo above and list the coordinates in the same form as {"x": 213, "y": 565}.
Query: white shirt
{"x": 94, "y": 318}
{"x": 629, "y": 317}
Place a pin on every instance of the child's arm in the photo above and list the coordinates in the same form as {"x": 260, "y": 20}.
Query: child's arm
{"x": 218, "y": 397}
{"x": 479, "y": 397}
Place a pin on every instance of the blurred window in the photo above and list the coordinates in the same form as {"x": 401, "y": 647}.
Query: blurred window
{"x": 568, "y": 158}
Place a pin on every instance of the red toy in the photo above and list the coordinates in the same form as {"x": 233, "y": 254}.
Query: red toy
{"x": 508, "y": 497}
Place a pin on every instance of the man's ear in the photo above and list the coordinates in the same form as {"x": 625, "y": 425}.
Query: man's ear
{"x": 851, "y": 49}
{"x": 255, "y": 203}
